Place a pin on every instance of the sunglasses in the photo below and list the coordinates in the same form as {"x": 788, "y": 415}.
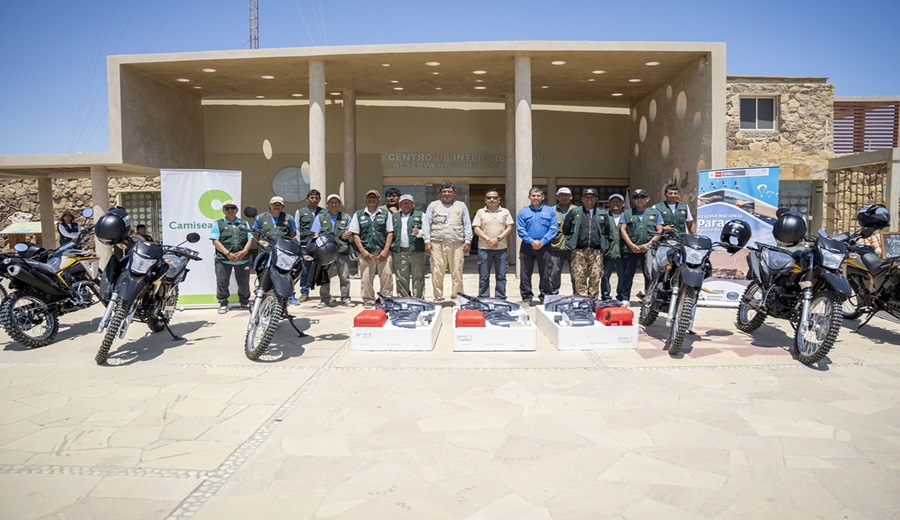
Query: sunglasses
{"x": 639, "y": 197}
{"x": 492, "y": 198}
{"x": 230, "y": 208}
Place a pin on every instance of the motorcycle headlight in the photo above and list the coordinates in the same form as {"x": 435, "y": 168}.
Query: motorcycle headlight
{"x": 831, "y": 259}
{"x": 141, "y": 265}
{"x": 694, "y": 256}
{"x": 284, "y": 261}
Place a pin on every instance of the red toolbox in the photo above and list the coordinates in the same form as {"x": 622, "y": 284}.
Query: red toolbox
{"x": 370, "y": 318}
{"x": 469, "y": 318}
{"x": 615, "y": 315}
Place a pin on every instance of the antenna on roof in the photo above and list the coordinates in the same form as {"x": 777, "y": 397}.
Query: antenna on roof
{"x": 254, "y": 24}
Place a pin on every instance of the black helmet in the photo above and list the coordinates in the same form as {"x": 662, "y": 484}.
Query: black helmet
{"x": 113, "y": 227}
{"x": 735, "y": 235}
{"x": 874, "y": 216}
{"x": 790, "y": 227}
{"x": 323, "y": 249}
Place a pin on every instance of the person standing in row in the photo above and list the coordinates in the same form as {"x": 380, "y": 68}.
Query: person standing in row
{"x": 392, "y": 200}
{"x": 448, "y": 236}
{"x": 635, "y": 230}
{"x": 677, "y": 215}
{"x": 275, "y": 221}
{"x": 304, "y": 217}
{"x": 493, "y": 224}
{"x": 536, "y": 225}
{"x": 613, "y": 261}
{"x": 67, "y": 228}
{"x": 232, "y": 246}
{"x": 373, "y": 231}
{"x": 558, "y": 252}
{"x": 586, "y": 238}
{"x": 408, "y": 249}
{"x": 335, "y": 221}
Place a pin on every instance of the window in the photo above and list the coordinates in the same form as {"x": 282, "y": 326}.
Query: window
{"x": 757, "y": 113}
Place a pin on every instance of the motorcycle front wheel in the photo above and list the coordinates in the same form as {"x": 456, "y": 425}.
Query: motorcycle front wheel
{"x": 684, "y": 312}
{"x": 112, "y": 330}
{"x": 749, "y": 318}
{"x": 813, "y": 342}
{"x": 262, "y": 325}
{"x": 28, "y": 320}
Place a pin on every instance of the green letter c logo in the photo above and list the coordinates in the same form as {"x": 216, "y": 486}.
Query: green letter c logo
{"x": 206, "y": 203}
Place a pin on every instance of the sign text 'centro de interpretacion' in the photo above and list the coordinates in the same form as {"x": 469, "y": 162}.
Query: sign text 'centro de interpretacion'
{"x": 457, "y": 161}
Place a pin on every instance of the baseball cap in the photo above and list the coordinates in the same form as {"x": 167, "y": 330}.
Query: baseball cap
{"x": 333, "y": 196}
{"x": 617, "y": 196}
{"x": 228, "y": 203}
{"x": 277, "y": 199}
{"x": 373, "y": 192}
{"x": 564, "y": 190}
{"x": 406, "y": 197}
{"x": 589, "y": 191}
{"x": 639, "y": 192}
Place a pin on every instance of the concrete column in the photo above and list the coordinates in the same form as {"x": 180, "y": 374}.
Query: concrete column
{"x": 349, "y": 150}
{"x": 510, "y": 196}
{"x": 100, "y": 204}
{"x": 48, "y": 222}
{"x": 551, "y": 190}
{"x": 893, "y": 189}
{"x": 524, "y": 154}
{"x": 317, "y": 126}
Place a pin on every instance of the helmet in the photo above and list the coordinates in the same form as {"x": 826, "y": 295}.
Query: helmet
{"x": 735, "y": 235}
{"x": 873, "y": 215}
{"x": 323, "y": 249}
{"x": 790, "y": 227}
{"x": 113, "y": 227}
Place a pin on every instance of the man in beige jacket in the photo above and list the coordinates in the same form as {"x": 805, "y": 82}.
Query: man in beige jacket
{"x": 447, "y": 230}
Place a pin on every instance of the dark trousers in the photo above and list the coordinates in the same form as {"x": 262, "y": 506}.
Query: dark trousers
{"x": 499, "y": 260}
{"x": 223, "y": 278}
{"x": 617, "y": 266}
{"x": 527, "y": 258}
{"x": 557, "y": 259}
{"x": 631, "y": 262}
{"x": 304, "y": 277}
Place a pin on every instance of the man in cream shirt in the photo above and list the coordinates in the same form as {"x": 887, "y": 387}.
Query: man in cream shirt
{"x": 493, "y": 224}
{"x": 448, "y": 237}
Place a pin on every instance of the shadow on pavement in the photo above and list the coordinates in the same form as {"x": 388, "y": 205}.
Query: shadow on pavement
{"x": 152, "y": 344}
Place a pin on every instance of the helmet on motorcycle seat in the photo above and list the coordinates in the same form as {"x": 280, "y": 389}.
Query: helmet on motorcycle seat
{"x": 113, "y": 227}
{"x": 789, "y": 228}
{"x": 873, "y": 215}
{"x": 735, "y": 235}
{"x": 323, "y": 249}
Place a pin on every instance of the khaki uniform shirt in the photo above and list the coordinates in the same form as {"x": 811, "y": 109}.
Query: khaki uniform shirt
{"x": 493, "y": 223}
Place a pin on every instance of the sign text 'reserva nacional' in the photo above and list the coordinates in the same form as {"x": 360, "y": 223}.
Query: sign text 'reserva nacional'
{"x": 457, "y": 161}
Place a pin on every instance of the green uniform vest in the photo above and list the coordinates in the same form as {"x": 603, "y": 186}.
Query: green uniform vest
{"x": 231, "y": 237}
{"x": 305, "y": 219}
{"x": 639, "y": 229}
{"x": 340, "y": 225}
{"x": 615, "y": 240}
{"x": 372, "y": 230}
{"x": 599, "y": 217}
{"x": 414, "y": 220}
{"x": 559, "y": 241}
{"x": 278, "y": 227}
{"x": 677, "y": 219}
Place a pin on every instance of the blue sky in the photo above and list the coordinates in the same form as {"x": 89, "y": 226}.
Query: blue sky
{"x": 53, "y": 52}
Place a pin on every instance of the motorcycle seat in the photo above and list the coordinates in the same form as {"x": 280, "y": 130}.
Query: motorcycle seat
{"x": 47, "y": 269}
{"x": 874, "y": 263}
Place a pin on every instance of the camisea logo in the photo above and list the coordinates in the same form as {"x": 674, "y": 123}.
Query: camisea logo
{"x": 210, "y": 203}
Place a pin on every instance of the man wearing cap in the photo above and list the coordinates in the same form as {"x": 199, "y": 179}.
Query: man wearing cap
{"x": 537, "y": 226}
{"x": 587, "y": 238}
{"x": 558, "y": 252}
{"x": 493, "y": 224}
{"x": 676, "y": 215}
{"x": 335, "y": 221}
{"x": 448, "y": 236}
{"x": 635, "y": 230}
{"x": 232, "y": 246}
{"x": 304, "y": 218}
{"x": 373, "y": 232}
{"x": 408, "y": 249}
{"x": 275, "y": 221}
{"x": 613, "y": 260}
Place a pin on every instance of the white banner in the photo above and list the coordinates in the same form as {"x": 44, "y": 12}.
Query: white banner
{"x": 191, "y": 203}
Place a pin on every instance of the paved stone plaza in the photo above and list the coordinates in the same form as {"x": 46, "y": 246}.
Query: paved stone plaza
{"x": 734, "y": 428}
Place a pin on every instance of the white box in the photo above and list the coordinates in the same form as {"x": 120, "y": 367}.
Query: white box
{"x": 493, "y": 338}
{"x": 389, "y": 337}
{"x": 595, "y": 337}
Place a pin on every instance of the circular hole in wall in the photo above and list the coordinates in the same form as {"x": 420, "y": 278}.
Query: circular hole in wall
{"x": 681, "y": 105}
{"x": 637, "y": 149}
{"x": 664, "y": 148}
{"x": 701, "y": 165}
{"x": 652, "y": 110}
{"x": 697, "y": 119}
{"x": 642, "y": 129}
{"x": 267, "y": 149}
{"x": 668, "y": 92}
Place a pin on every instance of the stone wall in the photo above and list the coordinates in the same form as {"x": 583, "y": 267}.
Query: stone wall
{"x": 72, "y": 194}
{"x": 848, "y": 190}
{"x": 801, "y": 143}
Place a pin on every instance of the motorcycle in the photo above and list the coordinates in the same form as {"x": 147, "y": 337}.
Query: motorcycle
{"x": 46, "y": 284}
{"x": 677, "y": 265}
{"x": 875, "y": 282}
{"x": 804, "y": 286}
{"x": 142, "y": 285}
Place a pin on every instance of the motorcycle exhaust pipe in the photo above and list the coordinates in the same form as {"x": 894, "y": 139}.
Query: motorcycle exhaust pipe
{"x": 672, "y": 304}
{"x": 29, "y": 278}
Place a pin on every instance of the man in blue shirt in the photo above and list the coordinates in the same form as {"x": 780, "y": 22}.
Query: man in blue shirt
{"x": 536, "y": 225}
{"x": 232, "y": 246}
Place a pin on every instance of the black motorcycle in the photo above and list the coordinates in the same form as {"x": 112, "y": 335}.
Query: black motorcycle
{"x": 144, "y": 286}
{"x": 676, "y": 266}
{"x": 804, "y": 286}
{"x": 45, "y": 284}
